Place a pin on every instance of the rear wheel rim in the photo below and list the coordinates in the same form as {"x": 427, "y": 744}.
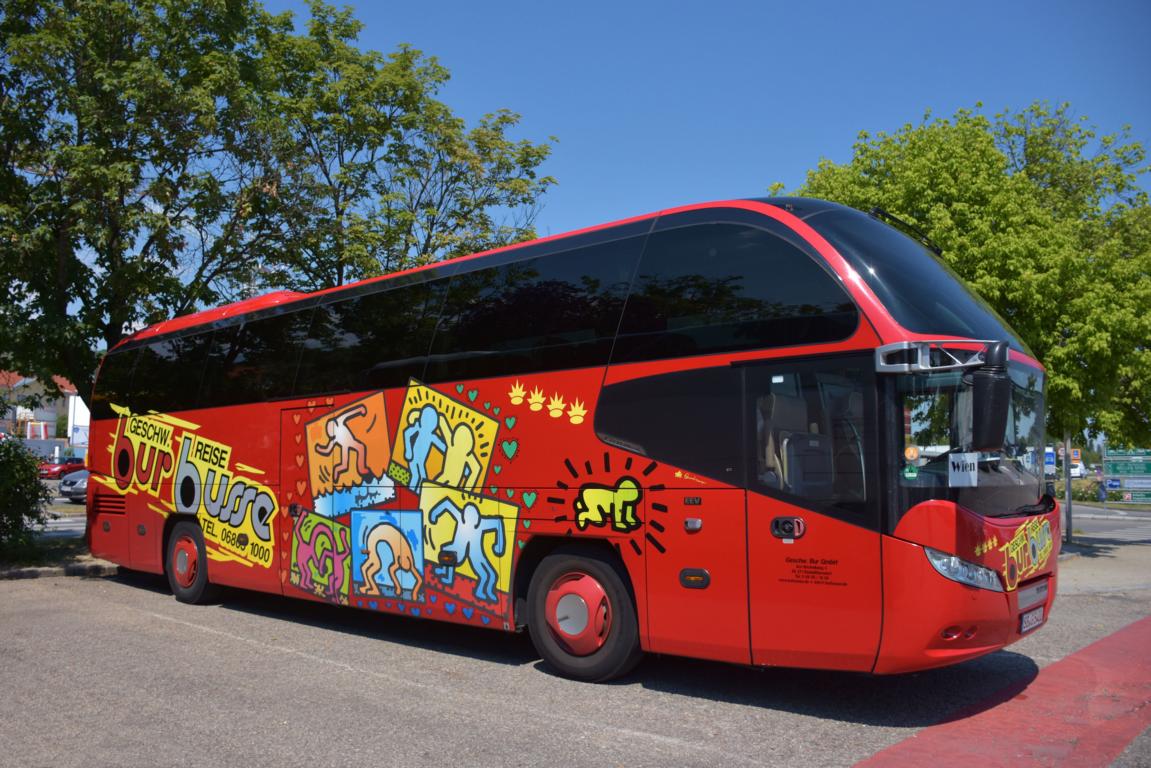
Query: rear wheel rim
{"x": 185, "y": 561}
{"x": 578, "y": 613}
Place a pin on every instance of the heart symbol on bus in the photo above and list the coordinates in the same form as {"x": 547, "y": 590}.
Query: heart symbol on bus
{"x": 529, "y": 500}
{"x": 510, "y": 447}
{"x": 473, "y": 394}
{"x": 299, "y": 459}
{"x": 296, "y": 418}
{"x": 301, "y": 486}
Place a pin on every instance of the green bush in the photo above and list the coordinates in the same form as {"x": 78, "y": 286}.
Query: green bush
{"x": 1088, "y": 490}
{"x": 23, "y": 499}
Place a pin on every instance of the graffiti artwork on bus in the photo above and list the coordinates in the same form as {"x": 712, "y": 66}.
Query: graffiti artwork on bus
{"x": 321, "y": 557}
{"x": 1027, "y": 551}
{"x": 169, "y": 460}
{"x": 442, "y": 439}
{"x": 389, "y": 556}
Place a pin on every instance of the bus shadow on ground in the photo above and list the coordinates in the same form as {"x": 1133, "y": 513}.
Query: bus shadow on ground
{"x": 441, "y": 637}
{"x": 912, "y": 700}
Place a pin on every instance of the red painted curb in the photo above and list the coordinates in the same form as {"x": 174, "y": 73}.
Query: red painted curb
{"x": 1082, "y": 710}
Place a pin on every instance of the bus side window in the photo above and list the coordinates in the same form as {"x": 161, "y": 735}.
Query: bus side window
{"x": 113, "y": 383}
{"x": 722, "y": 287}
{"x": 688, "y": 419}
{"x": 811, "y": 440}
{"x": 547, "y": 313}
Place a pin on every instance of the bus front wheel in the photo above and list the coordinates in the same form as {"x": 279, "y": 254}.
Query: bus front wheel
{"x": 582, "y": 618}
{"x": 186, "y": 564}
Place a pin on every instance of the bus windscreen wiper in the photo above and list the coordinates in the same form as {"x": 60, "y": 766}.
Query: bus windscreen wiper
{"x": 907, "y": 227}
{"x": 1045, "y": 505}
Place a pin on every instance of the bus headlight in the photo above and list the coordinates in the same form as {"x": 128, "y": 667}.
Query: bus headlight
{"x": 951, "y": 567}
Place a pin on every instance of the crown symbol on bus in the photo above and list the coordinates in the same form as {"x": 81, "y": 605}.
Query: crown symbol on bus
{"x": 577, "y": 412}
{"x": 536, "y": 400}
{"x": 516, "y": 393}
{"x": 556, "y": 406}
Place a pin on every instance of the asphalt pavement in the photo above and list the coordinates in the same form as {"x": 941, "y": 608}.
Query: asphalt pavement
{"x": 113, "y": 671}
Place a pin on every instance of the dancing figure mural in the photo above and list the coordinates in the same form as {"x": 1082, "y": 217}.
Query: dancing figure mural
{"x": 419, "y": 439}
{"x": 461, "y": 467}
{"x": 340, "y": 436}
{"x": 467, "y": 546}
{"x": 402, "y": 560}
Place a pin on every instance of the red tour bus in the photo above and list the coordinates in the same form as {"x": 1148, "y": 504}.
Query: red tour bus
{"x": 768, "y": 432}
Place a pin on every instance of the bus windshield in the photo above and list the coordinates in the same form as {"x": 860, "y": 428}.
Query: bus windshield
{"x": 896, "y": 267}
{"x": 938, "y": 461}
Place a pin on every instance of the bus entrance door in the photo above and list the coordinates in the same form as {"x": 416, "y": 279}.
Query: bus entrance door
{"x": 697, "y": 573}
{"x": 816, "y": 596}
{"x": 812, "y": 528}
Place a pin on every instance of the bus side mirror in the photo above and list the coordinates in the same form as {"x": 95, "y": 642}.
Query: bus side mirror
{"x": 992, "y": 394}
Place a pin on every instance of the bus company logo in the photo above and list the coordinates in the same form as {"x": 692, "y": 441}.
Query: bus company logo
{"x": 142, "y": 452}
{"x": 1027, "y": 551}
{"x": 235, "y": 512}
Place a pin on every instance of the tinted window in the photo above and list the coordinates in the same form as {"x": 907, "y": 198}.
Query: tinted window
{"x": 814, "y": 443}
{"x": 547, "y": 313}
{"x": 167, "y": 375}
{"x": 725, "y": 287}
{"x": 898, "y": 269}
{"x": 113, "y": 383}
{"x": 374, "y": 341}
{"x": 254, "y": 362}
{"x": 691, "y": 420}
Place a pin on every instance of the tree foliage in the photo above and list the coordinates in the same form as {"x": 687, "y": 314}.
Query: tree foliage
{"x": 158, "y": 156}
{"x": 1045, "y": 219}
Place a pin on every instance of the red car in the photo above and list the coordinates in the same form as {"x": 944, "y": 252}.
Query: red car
{"x": 54, "y": 470}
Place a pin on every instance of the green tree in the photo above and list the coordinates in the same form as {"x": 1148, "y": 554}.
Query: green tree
{"x": 1044, "y": 218}
{"x": 378, "y": 175}
{"x": 158, "y": 156}
{"x": 128, "y": 166}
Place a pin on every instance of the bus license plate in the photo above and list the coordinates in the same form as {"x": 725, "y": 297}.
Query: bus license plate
{"x": 1030, "y": 620}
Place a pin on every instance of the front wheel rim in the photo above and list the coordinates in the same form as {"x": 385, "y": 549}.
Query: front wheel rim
{"x": 578, "y": 613}
{"x": 185, "y": 561}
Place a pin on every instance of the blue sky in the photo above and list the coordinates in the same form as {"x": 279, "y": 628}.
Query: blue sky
{"x": 662, "y": 104}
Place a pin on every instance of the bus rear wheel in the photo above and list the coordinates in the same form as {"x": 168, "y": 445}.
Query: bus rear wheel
{"x": 582, "y": 618}
{"x": 186, "y": 564}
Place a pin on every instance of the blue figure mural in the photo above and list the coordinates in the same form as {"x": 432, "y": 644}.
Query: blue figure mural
{"x": 419, "y": 439}
{"x": 468, "y": 545}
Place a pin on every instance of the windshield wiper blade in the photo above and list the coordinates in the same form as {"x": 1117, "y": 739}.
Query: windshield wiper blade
{"x": 907, "y": 227}
{"x": 1045, "y": 505}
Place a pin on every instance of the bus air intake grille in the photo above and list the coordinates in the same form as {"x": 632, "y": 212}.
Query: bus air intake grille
{"x": 111, "y": 505}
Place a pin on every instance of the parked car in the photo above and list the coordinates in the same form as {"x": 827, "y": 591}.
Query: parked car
{"x": 1078, "y": 470}
{"x": 74, "y": 486}
{"x": 53, "y": 470}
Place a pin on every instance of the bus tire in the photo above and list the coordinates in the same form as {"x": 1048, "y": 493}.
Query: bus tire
{"x": 581, "y": 617}
{"x": 186, "y": 564}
